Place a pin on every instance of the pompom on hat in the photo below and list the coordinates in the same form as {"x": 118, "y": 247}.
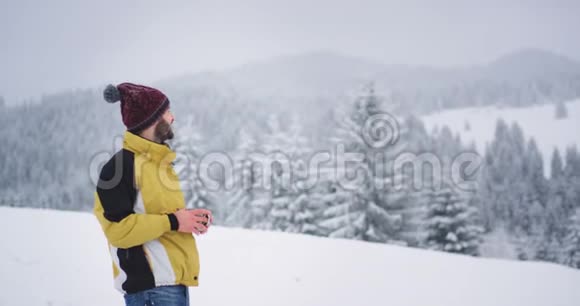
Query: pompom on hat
{"x": 141, "y": 106}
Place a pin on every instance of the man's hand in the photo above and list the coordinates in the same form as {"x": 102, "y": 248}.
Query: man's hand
{"x": 207, "y": 217}
{"x": 192, "y": 221}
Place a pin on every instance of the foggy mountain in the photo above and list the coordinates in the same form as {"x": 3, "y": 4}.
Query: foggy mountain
{"x": 522, "y": 78}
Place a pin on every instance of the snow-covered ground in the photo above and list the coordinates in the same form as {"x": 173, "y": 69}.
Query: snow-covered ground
{"x": 60, "y": 258}
{"x": 538, "y": 122}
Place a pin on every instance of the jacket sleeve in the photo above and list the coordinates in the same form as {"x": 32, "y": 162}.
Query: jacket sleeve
{"x": 114, "y": 200}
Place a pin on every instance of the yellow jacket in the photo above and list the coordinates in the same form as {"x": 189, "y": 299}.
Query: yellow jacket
{"x": 137, "y": 194}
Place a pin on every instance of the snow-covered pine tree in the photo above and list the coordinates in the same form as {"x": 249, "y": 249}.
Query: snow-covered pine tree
{"x": 557, "y": 167}
{"x": 317, "y": 218}
{"x": 189, "y": 151}
{"x": 533, "y": 170}
{"x": 340, "y": 215}
{"x": 181, "y": 145}
{"x": 303, "y": 213}
{"x": 572, "y": 167}
{"x": 556, "y": 217}
{"x": 501, "y": 150}
{"x": 572, "y": 177}
{"x": 571, "y": 243}
{"x": 553, "y": 232}
{"x": 238, "y": 206}
{"x": 502, "y": 171}
{"x": 297, "y": 143}
{"x": 275, "y": 137}
{"x": 276, "y": 142}
{"x": 262, "y": 195}
{"x": 448, "y": 223}
{"x": 365, "y": 214}
{"x": 412, "y": 209}
{"x": 531, "y": 206}
{"x": 486, "y": 196}
{"x": 549, "y": 221}
{"x": 525, "y": 171}
{"x": 509, "y": 178}
{"x": 279, "y": 207}
{"x": 541, "y": 214}
{"x": 394, "y": 194}
{"x": 559, "y": 187}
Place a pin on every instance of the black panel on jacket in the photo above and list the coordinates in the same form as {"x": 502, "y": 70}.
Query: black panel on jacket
{"x": 116, "y": 187}
{"x": 139, "y": 275}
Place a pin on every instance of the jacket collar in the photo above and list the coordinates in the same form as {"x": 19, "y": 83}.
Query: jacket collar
{"x": 150, "y": 149}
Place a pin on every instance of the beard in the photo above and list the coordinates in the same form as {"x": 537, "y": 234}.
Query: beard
{"x": 163, "y": 131}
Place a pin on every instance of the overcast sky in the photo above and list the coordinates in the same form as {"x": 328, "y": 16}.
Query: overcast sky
{"x": 52, "y": 45}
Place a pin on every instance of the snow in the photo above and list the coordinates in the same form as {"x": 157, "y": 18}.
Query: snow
{"x": 538, "y": 122}
{"x": 60, "y": 258}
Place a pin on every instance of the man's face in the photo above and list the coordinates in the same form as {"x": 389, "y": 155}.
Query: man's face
{"x": 163, "y": 129}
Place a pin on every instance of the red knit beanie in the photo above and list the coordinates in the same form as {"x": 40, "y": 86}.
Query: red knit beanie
{"x": 141, "y": 106}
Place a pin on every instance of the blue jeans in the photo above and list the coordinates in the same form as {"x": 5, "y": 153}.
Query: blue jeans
{"x": 160, "y": 296}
